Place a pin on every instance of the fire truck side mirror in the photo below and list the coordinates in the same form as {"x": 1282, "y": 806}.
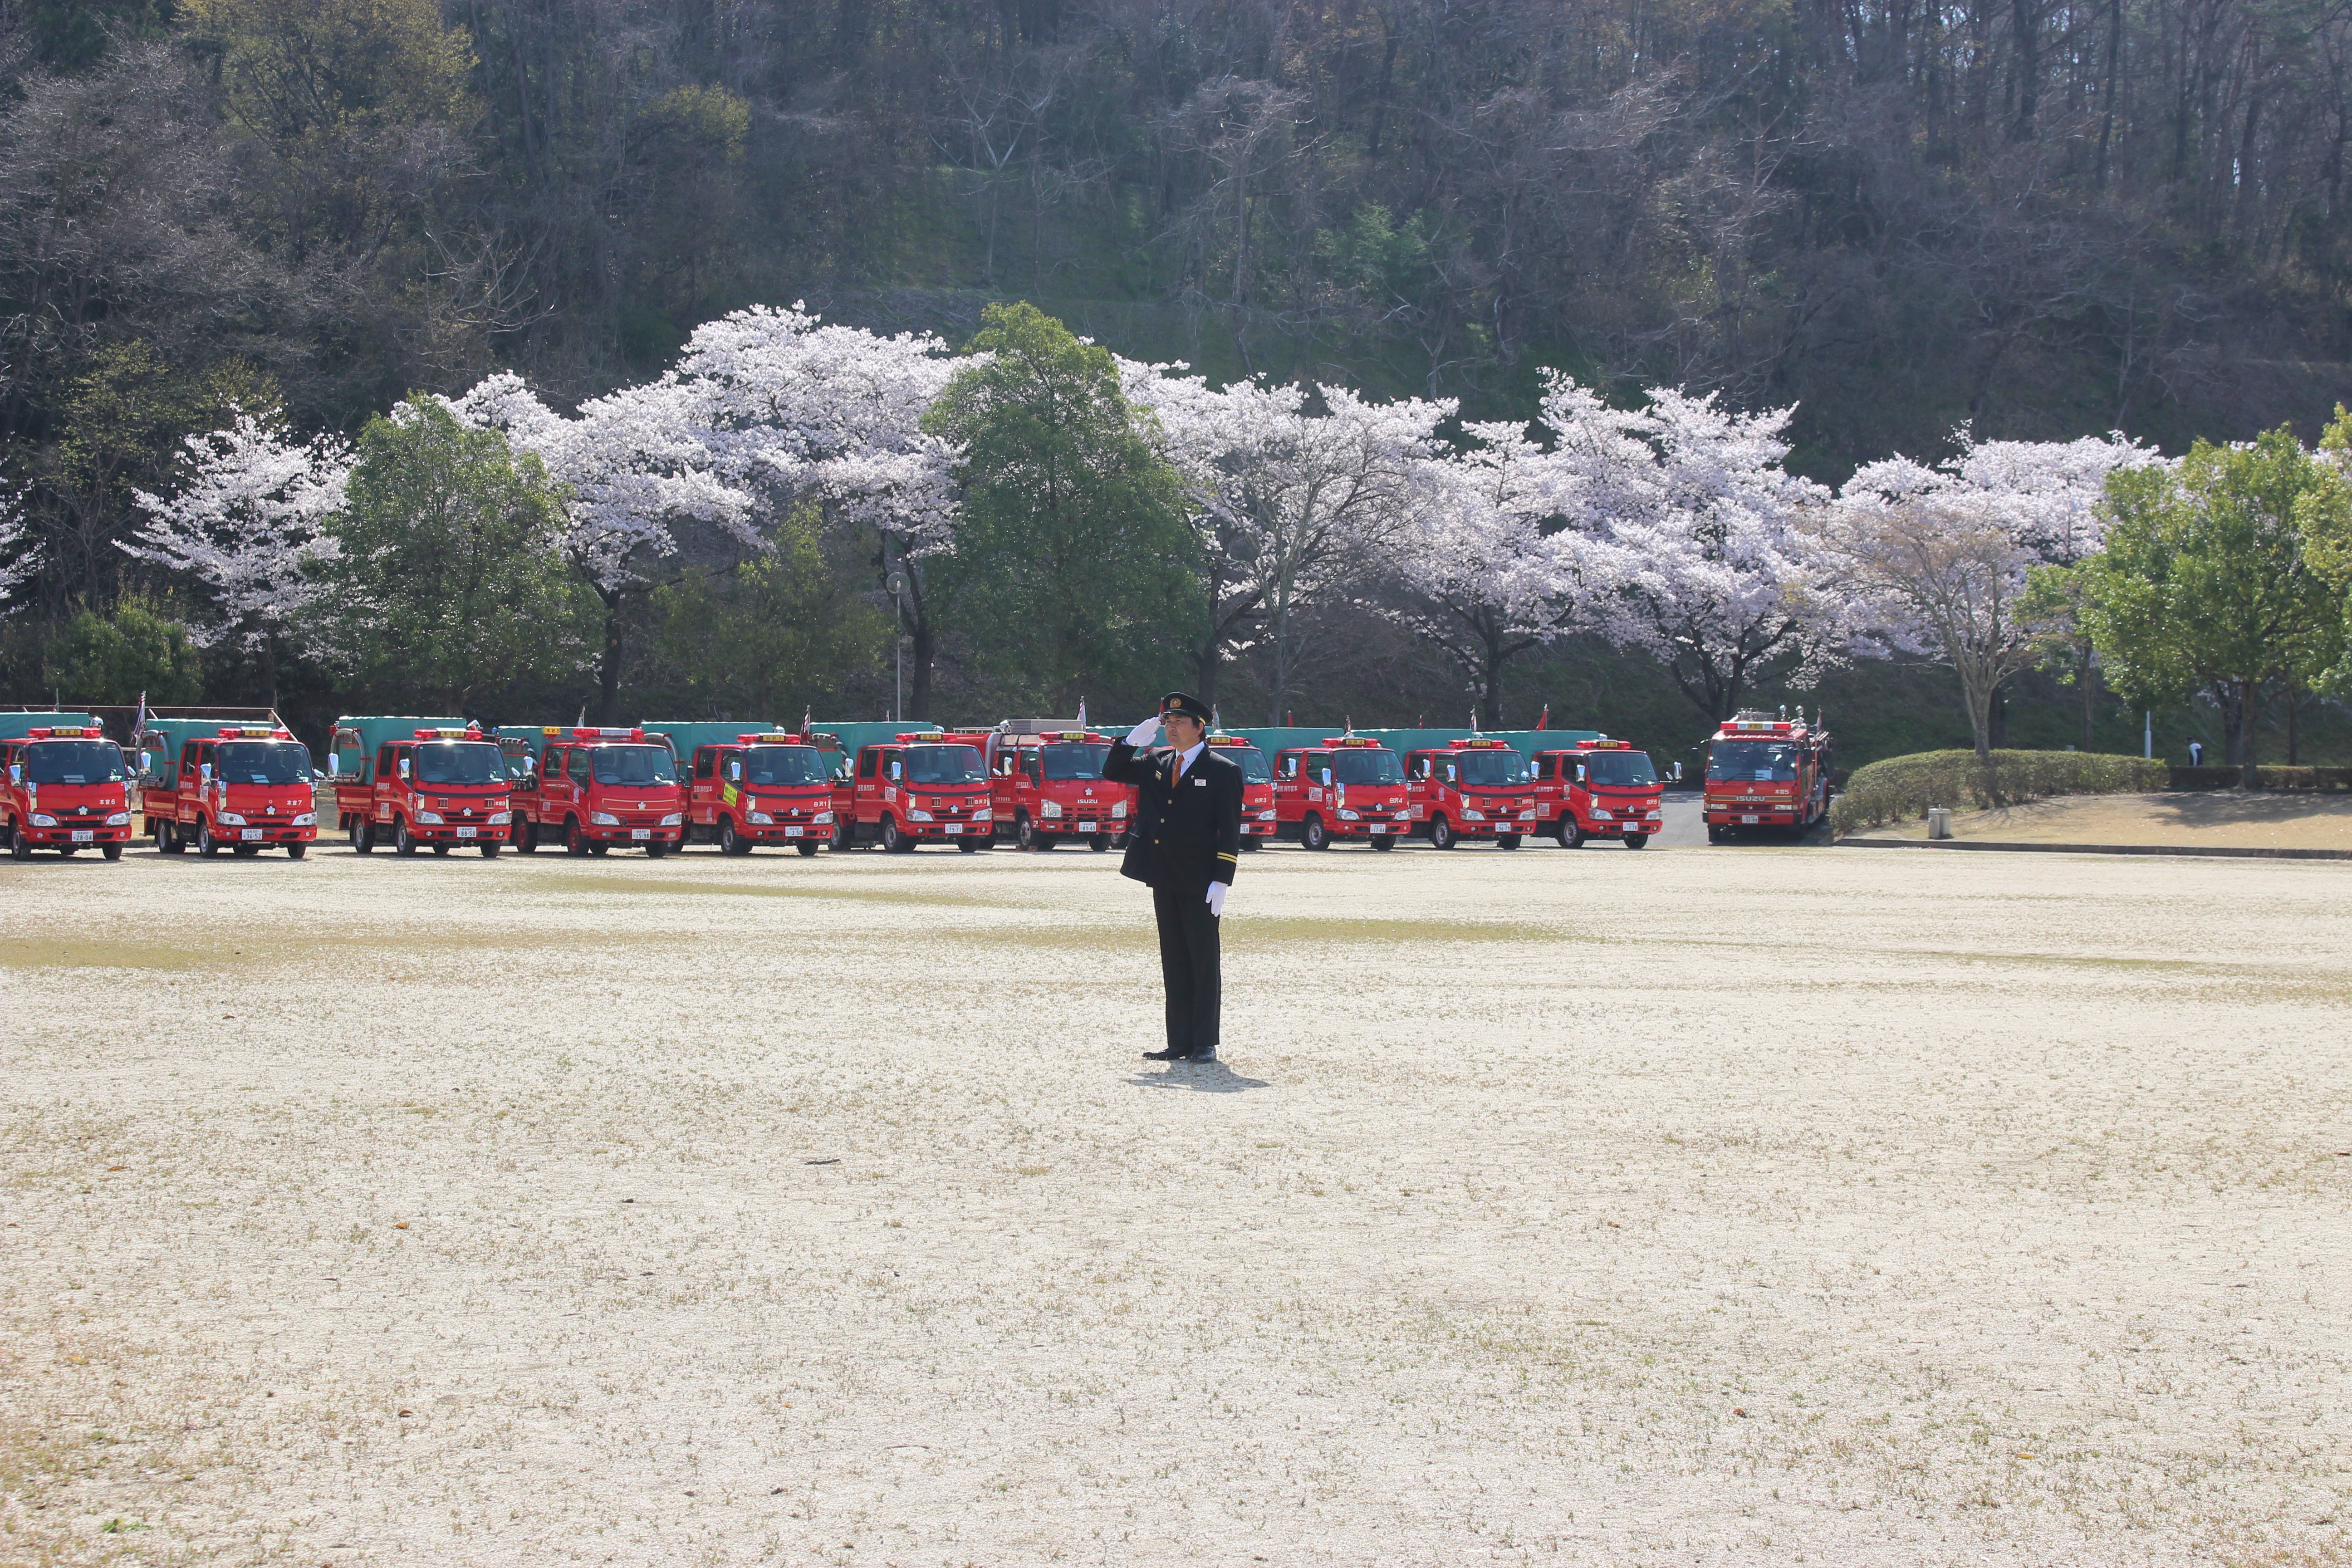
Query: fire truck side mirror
{"x": 146, "y": 762}
{"x": 1326, "y": 777}
{"x": 204, "y": 771}
{"x": 894, "y": 767}
{"x": 735, "y": 770}
{"x": 1451, "y": 772}
{"x": 404, "y": 767}
{"x": 16, "y": 773}
{"x": 1678, "y": 772}
{"x": 334, "y": 765}
{"x": 1579, "y": 772}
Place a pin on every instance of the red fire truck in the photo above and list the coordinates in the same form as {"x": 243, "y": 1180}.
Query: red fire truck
{"x": 766, "y": 788}
{"x": 1046, "y": 787}
{"x": 439, "y": 786}
{"x": 1476, "y": 788}
{"x": 1766, "y": 772}
{"x": 1258, "y": 788}
{"x": 919, "y": 787}
{"x": 592, "y": 788}
{"x": 64, "y": 788}
{"x": 1350, "y": 786}
{"x": 246, "y": 787}
{"x": 1598, "y": 789}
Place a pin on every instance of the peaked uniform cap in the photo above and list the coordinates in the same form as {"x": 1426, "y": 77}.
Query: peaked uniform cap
{"x": 1185, "y": 703}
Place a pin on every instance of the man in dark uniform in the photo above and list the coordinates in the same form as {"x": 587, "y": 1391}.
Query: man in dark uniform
{"x": 1185, "y": 843}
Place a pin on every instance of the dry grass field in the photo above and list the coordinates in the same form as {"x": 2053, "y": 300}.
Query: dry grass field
{"x": 1729, "y": 1206}
{"x": 2217, "y": 819}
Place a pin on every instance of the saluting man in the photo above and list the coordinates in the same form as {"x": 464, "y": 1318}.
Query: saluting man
{"x": 1185, "y": 843}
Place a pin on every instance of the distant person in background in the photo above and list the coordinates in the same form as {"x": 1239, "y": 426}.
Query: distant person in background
{"x": 2196, "y": 753}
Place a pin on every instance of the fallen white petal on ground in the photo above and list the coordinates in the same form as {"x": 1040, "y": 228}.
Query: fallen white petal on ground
{"x": 1696, "y": 1207}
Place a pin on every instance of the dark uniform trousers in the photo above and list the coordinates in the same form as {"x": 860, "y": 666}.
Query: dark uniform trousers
{"x": 1185, "y": 836}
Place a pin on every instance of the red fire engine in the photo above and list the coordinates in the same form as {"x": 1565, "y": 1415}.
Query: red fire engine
{"x": 246, "y": 788}
{"x": 769, "y": 787}
{"x": 1258, "y": 788}
{"x": 1046, "y": 787}
{"x": 1471, "y": 789}
{"x": 1350, "y": 786}
{"x": 1763, "y": 772}
{"x": 65, "y": 789}
{"x": 921, "y": 786}
{"x": 439, "y": 787}
{"x": 593, "y": 788}
{"x": 1598, "y": 789}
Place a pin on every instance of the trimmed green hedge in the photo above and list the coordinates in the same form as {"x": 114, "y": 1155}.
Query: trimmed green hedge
{"x": 1900, "y": 788}
{"x": 2265, "y": 777}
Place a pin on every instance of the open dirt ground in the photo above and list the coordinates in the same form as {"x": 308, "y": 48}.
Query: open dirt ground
{"x": 1730, "y": 1206}
{"x": 2213, "y": 818}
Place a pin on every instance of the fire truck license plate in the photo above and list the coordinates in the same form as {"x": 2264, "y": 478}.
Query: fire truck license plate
{"x": 250, "y": 832}
{"x": 792, "y": 832}
{"x": 84, "y": 835}
{"x": 1086, "y": 827}
{"x": 641, "y": 833}
{"x": 952, "y": 828}
{"x": 1750, "y": 818}
{"x": 468, "y": 832}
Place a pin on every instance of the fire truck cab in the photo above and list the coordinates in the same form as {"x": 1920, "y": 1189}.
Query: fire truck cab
{"x": 590, "y": 788}
{"x": 1257, "y": 786}
{"x": 770, "y": 786}
{"x": 1350, "y": 786}
{"x": 1474, "y": 788}
{"x": 246, "y": 787}
{"x": 1598, "y": 789}
{"x": 1766, "y": 772}
{"x": 1046, "y": 787}
{"x": 919, "y": 787}
{"x": 417, "y": 783}
{"x": 67, "y": 788}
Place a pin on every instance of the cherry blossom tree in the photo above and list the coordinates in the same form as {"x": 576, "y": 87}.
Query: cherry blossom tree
{"x": 18, "y": 563}
{"x": 244, "y": 524}
{"x": 1702, "y": 541}
{"x": 1942, "y": 556}
{"x": 1295, "y": 494}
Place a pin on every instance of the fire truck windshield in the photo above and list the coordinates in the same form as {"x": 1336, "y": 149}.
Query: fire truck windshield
{"x": 264, "y": 762}
{"x": 1768, "y": 760}
{"x": 1252, "y": 764}
{"x": 73, "y": 763}
{"x": 459, "y": 763}
{"x": 1069, "y": 761}
{"x": 944, "y": 765}
{"x": 632, "y": 764}
{"x": 1491, "y": 768}
{"x": 1623, "y": 770}
{"x": 1366, "y": 767}
{"x": 776, "y": 766}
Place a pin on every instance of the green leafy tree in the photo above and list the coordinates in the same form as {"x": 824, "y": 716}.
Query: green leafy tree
{"x": 441, "y": 582}
{"x": 2207, "y": 583}
{"x": 131, "y": 651}
{"x": 769, "y": 639}
{"x": 1074, "y": 562}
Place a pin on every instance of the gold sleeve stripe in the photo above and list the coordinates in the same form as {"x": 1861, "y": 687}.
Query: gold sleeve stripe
{"x": 1234, "y": 858}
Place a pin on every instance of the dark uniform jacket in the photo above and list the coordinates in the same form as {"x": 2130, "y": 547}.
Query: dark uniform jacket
{"x": 1186, "y": 835}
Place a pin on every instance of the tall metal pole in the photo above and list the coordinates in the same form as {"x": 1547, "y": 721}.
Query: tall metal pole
{"x": 2147, "y": 733}
{"x": 898, "y": 638}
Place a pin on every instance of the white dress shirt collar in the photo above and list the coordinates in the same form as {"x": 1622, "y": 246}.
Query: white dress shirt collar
{"x": 1185, "y": 759}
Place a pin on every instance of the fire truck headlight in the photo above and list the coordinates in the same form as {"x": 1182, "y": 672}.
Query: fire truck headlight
{"x": 1601, "y": 816}
{"x": 984, "y": 815}
{"x": 1470, "y": 815}
{"x": 1347, "y": 815}
{"x": 120, "y": 819}
{"x": 226, "y": 819}
{"x": 604, "y": 819}
{"x": 1405, "y": 815}
{"x": 305, "y": 819}
{"x": 673, "y": 819}
{"x": 913, "y": 815}
{"x": 1268, "y": 815}
{"x": 432, "y": 817}
{"x": 43, "y": 819}
{"x": 1050, "y": 809}
{"x": 822, "y": 816}
{"x": 763, "y": 819}
{"x": 501, "y": 818}
{"x": 1119, "y": 808}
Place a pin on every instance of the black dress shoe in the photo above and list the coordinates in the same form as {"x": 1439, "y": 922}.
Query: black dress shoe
{"x": 1168, "y": 1055}
{"x": 1208, "y": 1057}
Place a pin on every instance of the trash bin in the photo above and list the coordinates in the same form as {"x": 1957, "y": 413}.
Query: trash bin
{"x": 1939, "y": 822}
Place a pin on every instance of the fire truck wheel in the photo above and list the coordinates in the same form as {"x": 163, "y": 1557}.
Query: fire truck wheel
{"x": 1506, "y": 841}
{"x": 246, "y": 851}
{"x": 362, "y": 835}
{"x": 655, "y": 848}
{"x": 1099, "y": 843}
{"x": 1575, "y": 839}
{"x": 168, "y": 842}
{"x": 526, "y": 835}
{"x": 598, "y": 849}
{"x": 296, "y": 851}
{"x": 490, "y": 851}
{"x": 1441, "y": 833}
{"x": 402, "y": 843}
{"x": 1379, "y": 841}
{"x": 112, "y": 852}
{"x": 19, "y": 846}
{"x": 1716, "y": 835}
{"x": 205, "y": 843}
{"x": 807, "y": 847}
{"x": 440, "y": 849}
{"x": 969, "y": 846}
{"x": 893, "y": 841}
{"x": 729, "y": 841}
{"x": 1635, "y": 840}
{"x": 574, "y": 841}
{"x": 1024, "y": 832}
{"x": 844, "y": 835}
{"x": 1252, "y": 845}
{"x": 1314, "y": 835}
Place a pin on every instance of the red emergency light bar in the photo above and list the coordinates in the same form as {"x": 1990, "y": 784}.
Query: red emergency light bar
{"x": 79, "y": 734}
{"x": 1364, "y": 740}
{"x": 1760, "y": 726}
{"x": 1481, "y": 745}
{"x": 592, "y": 733}
{"x": 254, "y": 733}
{"x": 1231, "y": 741}
{"x": 470, "y": 732}
{"x": 771, "y": 738}
{"x": 924, "y": 737}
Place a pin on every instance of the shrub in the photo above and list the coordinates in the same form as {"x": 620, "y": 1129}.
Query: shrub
{"x": 1901, "y": 788}
{"x": 2265, "y": 777}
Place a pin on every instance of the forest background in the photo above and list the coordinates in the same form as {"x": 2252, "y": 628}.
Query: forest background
{"x": 2035, "y": 220}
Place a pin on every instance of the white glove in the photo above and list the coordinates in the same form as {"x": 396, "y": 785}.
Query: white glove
{"x": 1140, "y": 736}
{"x": 1217, "y": 900}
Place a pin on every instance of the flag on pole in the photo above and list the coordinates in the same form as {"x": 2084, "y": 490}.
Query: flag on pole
{"x": 1544, "y": 718}
{"x": 806, "y": 720}
{"x": 1082, "y": 713}
{"x": 138, "y": 724}
{"x": 582, "y": 722}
